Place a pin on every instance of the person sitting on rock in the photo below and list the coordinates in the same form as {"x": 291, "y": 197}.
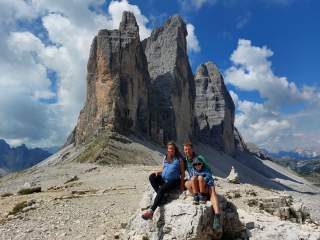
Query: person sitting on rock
{"x": 170, "y": 177}
{"x": 200, "y": 184}
{"x": 204, "y": 175}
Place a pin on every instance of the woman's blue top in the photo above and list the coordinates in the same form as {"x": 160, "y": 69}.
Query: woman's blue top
{"x": 171, "y": 170}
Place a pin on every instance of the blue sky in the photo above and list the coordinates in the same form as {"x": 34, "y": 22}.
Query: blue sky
{"x": 267, "y": 50}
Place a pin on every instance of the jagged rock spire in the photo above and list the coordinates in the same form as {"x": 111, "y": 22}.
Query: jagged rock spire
{"x": 214, "y": 109}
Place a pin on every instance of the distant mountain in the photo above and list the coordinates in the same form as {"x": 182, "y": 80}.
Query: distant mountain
{"x": 19, "y": 158}
{"x": 296, "y": 154}
{"x": 51, "y": 150}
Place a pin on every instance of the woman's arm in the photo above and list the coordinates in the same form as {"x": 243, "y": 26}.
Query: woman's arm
{"x": 158, "y": 172}
{"x": 182, "y": 170}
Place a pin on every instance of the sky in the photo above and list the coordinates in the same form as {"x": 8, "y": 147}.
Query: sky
{"x": 267, "y": 50}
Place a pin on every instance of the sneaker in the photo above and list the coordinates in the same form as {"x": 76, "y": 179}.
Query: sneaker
{"x": 147, "y": 215}
{"x": 196, "y": 199}
{"x": 202, "y": 198}
{"x": 216, "y": 223}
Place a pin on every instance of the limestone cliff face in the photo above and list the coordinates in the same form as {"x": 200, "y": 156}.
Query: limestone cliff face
{"x": 214, "y": 109}
{"x": 148, "y": 88}
{"x": 172, "y": 86}
{"x": 117, "y": 83}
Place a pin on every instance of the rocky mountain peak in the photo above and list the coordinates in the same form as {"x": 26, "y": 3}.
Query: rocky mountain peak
{"x": 129, "y": 23}
{"x": 172, "y": 87}
{"x": 117, "y": 84}
{"x": 214, "y": 109}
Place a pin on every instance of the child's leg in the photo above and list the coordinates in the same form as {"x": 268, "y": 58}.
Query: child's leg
{"x": 214, "y": 200}
{"x": 195, "y": 184}
{"x": 202, "y": 184}
{"x": 155, "y": 181}
{"x": 166, "y": 187}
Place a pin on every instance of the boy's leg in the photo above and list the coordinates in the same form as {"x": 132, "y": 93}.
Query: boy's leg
{"x": 214, "y": 200}
{"x": 166, "y": 187}
{"x": 195, "y": 184}
{"x": 202, "y": 184}
{"x": 156, "y": 181}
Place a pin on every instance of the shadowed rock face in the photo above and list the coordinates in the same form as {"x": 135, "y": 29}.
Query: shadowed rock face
{"x": 214, "y": 109}
{"x": 239, "y": 142}
{"x": 117, "y": 83}
{"x": 172, "y": 86}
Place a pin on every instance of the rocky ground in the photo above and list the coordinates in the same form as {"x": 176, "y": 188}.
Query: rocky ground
{"x": 95, "y": 206}
{"x": 100, "y": 201}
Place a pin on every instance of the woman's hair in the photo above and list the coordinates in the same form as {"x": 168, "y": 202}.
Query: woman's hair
{"x": 177, "y": 153}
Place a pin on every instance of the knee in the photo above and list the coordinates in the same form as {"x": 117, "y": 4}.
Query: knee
{"x": 200, "y": 179}
{"x": 194, "y": 178}
{"x": 152, "y": 176}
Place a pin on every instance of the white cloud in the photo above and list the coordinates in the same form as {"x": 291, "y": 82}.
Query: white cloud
{"x": 252, "y": 70}
{"x": 192, "y": 40}
{"x": 25, "y": 115}
{"x": 195, "y": 4}
{"x": 264, "y": 123}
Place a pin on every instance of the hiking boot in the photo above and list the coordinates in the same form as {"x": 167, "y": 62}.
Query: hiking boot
{"x": 196, "y": 199}
{"x": 202, "y": 198}
{"x": 216, "y": 223}
{"x": 147, "y": 215}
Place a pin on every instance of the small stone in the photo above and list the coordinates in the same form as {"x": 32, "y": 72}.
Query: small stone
{"x": 250, "y": 225}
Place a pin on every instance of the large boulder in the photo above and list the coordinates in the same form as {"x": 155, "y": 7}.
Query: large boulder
{"x": 172, "y": 86}
{"x": 180, "y": 219}
{"x": 117, "y": 84}
{"x": 214, "y": 109}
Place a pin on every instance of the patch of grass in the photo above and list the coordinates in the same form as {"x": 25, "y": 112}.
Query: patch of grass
{"x": 26, "y": 191}
{"x": 92, "y": 151}
{"x": 6, "y": 194}
{"x": 18, "y": 208}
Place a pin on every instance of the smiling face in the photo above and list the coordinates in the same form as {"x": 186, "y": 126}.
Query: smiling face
{"x": 171, "y": 151}
{"x": 188, "y": 152}
{"x": 198, "y": 166}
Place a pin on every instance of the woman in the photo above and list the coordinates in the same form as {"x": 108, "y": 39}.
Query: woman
{"x": 170, "y": 177}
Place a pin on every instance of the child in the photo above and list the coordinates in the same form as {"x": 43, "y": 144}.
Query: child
{"x": 204, "y": 177}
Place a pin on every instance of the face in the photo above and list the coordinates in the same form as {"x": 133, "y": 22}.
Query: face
{"x": 198, "y": 166}
{"x": 188, "y": 151}
{"x": 170, "y": 151}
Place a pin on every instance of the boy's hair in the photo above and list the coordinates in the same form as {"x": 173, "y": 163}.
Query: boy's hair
{"x": 188, "y": 143}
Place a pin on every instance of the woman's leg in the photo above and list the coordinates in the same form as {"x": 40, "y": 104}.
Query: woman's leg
{"x": 166, "y": 187}
{"x": 156, "y": 181}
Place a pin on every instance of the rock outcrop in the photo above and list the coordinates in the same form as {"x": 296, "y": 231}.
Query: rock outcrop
{"x": 117, "y": 83}
{"x": 240, "y": 144}
{"x": 179, "y": 219}
{"x": 214, "y": 109}
{"x": 172, "y": 87}
{"x": 233, "y": 176}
